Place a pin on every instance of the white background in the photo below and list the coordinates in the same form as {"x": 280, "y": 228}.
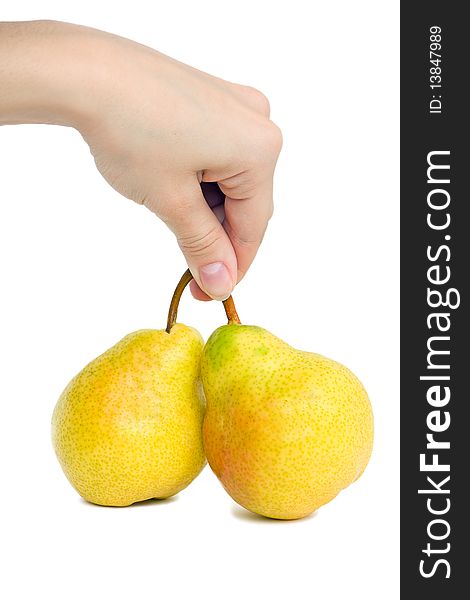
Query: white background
{"x": 82, "y": 266}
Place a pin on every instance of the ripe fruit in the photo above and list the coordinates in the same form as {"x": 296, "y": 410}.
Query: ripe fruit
{"x": 285, "y": 431}
{"x": 128, "y": 426}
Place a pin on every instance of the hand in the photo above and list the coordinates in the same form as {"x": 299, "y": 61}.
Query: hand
{"x": 198, "y": 151}
{"x": 160, "y": 129}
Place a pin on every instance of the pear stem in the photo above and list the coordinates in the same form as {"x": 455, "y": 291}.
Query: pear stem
{"x": 231, "y": 311}
{"x": 229, "y": 305}
{"x": 173, "y": 312}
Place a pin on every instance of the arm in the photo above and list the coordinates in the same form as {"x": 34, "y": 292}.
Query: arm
{"x": 43, "y": 73}
{"x": 157, "y": 129}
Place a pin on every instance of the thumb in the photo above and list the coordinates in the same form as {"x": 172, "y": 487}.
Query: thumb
{"x": 203, "y": 241}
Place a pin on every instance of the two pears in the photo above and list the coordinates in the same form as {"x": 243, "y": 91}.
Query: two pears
{"x": 284, "y": 431}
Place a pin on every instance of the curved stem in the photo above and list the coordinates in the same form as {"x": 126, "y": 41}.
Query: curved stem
{"x": 173, "y": 312}
{"x": 231, "y": 311}
{"x": 229, "y": 305}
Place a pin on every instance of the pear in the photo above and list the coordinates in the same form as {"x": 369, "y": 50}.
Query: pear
{"x": 285, "y": 430}
{"x": 128, "y": 427}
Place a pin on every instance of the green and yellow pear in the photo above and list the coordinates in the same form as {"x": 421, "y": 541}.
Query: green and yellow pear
{"x": 285, "y": 431}
{"x": 128, "y": 427}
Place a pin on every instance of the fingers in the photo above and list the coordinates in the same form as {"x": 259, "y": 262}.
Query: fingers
{"x": 197, "y": 293}
{"x": 245, "y": 222}
{"x": 203, "y": 241}
{"x": 248, "y": 202}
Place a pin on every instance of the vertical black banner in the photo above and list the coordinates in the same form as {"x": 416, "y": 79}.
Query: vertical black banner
{"x": 435, "y": 258}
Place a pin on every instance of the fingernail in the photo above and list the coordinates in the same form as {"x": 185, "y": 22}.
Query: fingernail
{"x": 216, "y": 280}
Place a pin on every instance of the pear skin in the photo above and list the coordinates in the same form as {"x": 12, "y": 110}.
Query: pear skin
{"x": 285, "y": 431}
{"x": 128, "y": 427}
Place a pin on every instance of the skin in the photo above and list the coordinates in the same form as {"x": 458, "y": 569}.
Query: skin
{"x": 128, "y": 427}
{"x": 285, "y": 431}
{"x": 196, "y": 150}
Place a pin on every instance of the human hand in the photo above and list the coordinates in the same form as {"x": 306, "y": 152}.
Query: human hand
{"x": 198, "y": 151}
{"x": 161, "y": 128}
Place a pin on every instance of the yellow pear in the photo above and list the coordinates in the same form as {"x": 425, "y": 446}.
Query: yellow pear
{"x": 285, "y": 431}
{"x": 128, "y": 427}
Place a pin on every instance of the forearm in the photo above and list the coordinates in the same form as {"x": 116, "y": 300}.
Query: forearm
{"x": 43, "y": 66}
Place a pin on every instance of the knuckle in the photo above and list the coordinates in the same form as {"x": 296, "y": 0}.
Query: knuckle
{"x": 239, "y": 187}
{"x": 174, "y": 209}
{"x": 259, "y": 99}
{"x": 199, "y": 244}
{"x": 265, "y": 146}
{"x": 273, "y": 138}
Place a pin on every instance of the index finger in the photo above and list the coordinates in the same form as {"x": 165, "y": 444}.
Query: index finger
{"x": 245, "y": 222}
